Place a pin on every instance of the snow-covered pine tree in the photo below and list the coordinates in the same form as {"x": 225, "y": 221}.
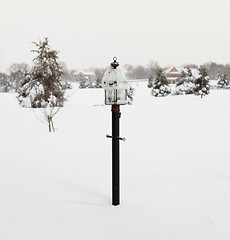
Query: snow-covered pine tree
{"x": 222, "y": 81}
{"x": 42, "y": 87}
{"x": 189, "y": 75}
{"x": 185, "y": 85}
{"x": 202, "y": 86}
{"x": 179, "y": 89}
{"x": 130, "y": 93}
{"x": 98, "y": 83}
{"x": 161, "y": 86}
{"x": 82, "y": 82}
{"x": 150, "y": 81}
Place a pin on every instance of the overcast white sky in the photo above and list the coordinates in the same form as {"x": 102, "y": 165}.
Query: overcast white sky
{"x": 89, "y": 33}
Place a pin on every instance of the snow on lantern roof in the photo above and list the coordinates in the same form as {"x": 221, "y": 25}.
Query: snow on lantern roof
{"x": 114, "y": 78}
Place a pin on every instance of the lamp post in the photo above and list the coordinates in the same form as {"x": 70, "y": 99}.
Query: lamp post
{"x": 116, "y": 85}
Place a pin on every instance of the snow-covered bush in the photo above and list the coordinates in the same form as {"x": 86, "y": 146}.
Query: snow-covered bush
{"x": 185, "y": 85}
{"x": 161, "y": 86}
{"x": 222, "y": 81}
{"x": 184, "y": 88}
{"x": 85, "y": 83}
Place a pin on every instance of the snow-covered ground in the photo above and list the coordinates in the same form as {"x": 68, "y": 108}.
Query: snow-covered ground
{"x": 175, "y": 169}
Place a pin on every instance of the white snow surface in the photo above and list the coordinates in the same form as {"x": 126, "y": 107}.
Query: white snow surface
{"x": 175, "y": 169}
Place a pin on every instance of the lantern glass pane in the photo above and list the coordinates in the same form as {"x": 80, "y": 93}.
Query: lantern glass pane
{"x": 110, "y": 96}
{"x": 121, "y": 96}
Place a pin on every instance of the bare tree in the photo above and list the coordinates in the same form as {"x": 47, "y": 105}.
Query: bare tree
{"x": 152, "y": 68}
{"x": 136, "y": 72}
{"x": 49, "y": 114}
{"x": 17, "y": 73}
{"x": 5, "y": 84}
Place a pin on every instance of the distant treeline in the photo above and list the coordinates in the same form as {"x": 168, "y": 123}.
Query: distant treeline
{"x": 145, "y": 72}
{"x": 11, "y": 80}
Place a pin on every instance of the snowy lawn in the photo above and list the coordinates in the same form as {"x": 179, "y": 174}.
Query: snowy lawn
{"x": 175, "y": 169}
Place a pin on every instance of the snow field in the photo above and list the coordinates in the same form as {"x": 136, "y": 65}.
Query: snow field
{"x": 175, "y": 166}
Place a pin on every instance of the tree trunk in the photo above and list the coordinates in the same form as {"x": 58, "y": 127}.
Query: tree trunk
{"x": 52, "y": 124}
{"x": 49, "y": 122}
{"x": 49, "y": 127}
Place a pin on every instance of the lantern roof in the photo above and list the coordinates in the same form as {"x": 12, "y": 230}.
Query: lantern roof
{"x": 114, "y": 78}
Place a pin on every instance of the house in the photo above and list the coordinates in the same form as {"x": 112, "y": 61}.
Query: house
{"x": 173, "y": 73}
{"x": 88, "y": 76}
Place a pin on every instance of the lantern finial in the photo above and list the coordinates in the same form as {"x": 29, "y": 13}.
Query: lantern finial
{"x": 114, "y": 64}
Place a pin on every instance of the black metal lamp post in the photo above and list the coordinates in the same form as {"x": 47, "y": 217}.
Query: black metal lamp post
{"x": 115, "y": 84}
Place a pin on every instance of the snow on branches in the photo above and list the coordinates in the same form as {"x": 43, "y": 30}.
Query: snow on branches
{"x": 42, "y": 86}
{"x": 202, "y": 86}
{"x": 222, "y": 81}
{"x": 185, "y": 84}
{"x": 161, "y": 86}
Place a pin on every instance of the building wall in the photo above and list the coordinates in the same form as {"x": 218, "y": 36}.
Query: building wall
{"x": 173, "y": 75}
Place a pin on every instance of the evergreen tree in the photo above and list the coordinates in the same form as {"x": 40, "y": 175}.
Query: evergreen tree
{"x": 202, "y": 86}
{"x": 222, "y": 81}
{"x": 189, "y": 75}
{"x": 150, "y": 82}
{"x": 42, "y": 86}
{"x": 185, "y": 84}
{"x": 130, "y": 93}
{"x": 181, "y": 79}
{"x": 82, "y": 82}
{"x": 161, "y": 86}
{"x": 98, "y": 83}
